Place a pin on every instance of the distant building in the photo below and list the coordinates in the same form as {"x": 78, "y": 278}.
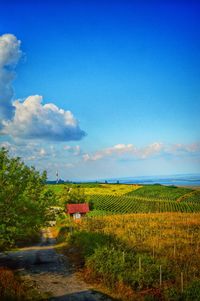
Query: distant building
{"x": 77, "y": 210}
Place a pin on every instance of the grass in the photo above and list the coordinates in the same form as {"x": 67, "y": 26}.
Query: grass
{"x": 12, "y": 288}
{"x": 128, "y": 250}
{"x": 56, "y": 188}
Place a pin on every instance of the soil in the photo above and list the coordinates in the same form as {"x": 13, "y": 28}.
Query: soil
{"x": 50, "y": 272}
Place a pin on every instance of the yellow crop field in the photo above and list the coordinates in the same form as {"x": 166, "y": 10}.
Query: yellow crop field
{"x": 152, "y": 252}
{"x": 161, "y": 231}
{"x": 112, "y": 189}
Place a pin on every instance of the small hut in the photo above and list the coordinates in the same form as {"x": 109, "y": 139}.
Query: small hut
{"x": 77, "y": 210}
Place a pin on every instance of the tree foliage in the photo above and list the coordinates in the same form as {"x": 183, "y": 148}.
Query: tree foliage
{"x": 23, "y": 200}
{"x": 74, "y": 195}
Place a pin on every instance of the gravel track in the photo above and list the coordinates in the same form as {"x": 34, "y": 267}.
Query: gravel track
{"x": 50, "y": 272}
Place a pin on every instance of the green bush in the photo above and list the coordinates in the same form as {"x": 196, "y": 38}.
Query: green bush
{"x": 88, "y": 242}
{"x": 111, "y": 269}
{"x": 23, "y": 200}
{"x": 123, "y": 265}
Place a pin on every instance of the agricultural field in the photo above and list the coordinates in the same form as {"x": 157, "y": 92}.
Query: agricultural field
{"x": 160, "y": 192}
{"x": 110, "y": 204}
{"x": 111, "y": 189}
{"x": 151, "y": 256}
{"x": 145, "y": 199}
{"x": 149, "y": 236}
{"x": 95, "y": 188}
{"x": 107, "y": 199}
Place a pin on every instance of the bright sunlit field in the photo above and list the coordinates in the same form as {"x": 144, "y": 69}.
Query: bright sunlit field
{"x": 153, "y": 254}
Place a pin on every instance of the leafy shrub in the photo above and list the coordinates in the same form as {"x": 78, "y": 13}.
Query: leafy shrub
{"x": 111, "y": 269}
{"x": 123, "y": 266}
{"x": 88, "y": 242}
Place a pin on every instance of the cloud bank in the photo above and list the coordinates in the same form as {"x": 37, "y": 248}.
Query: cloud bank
{"x": 10, "y": 54}
{"x": 151, "y": 150}
{"x": 30, "y": 119}
{"x": 117, "y": 149}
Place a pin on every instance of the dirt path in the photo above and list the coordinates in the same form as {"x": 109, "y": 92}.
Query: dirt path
{"x": 51, "y": 272}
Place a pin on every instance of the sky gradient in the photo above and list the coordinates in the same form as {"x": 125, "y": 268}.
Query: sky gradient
{"x": 104, "y": 89}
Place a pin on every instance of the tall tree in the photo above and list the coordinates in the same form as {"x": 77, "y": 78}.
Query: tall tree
{"x": 23, "y": 200}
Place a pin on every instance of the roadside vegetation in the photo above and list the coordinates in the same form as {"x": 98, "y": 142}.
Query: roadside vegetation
{"x": 12, "y": 288}
{"x": 25, "y": 207}
{"x": 144, "y": 256}
{"x": 24, "y": 201}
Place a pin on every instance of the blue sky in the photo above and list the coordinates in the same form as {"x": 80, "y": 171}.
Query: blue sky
{"x": 128, "y": 71}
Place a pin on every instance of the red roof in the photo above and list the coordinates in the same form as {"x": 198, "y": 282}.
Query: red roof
{"x": 77, "y": 208}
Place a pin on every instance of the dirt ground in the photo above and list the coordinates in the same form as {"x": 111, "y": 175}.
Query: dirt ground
{"x": 50, "y": 272}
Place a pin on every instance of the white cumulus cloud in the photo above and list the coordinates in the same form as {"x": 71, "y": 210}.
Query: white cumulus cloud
{"x": 117, "y": 149}
{"x": 10, "y": 54}
{"x": 151, "y": 150}
{"x": 29, "y": 119}
{"x": 33, "y": 120}
{"x": 126, "y": 149}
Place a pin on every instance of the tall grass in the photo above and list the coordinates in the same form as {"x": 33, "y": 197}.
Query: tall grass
{"x": 147, "y": 253}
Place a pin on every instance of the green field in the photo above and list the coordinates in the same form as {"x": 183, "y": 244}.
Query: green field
{"x": 125, "y": 204}
{"x": 121, "y": 198}
{"x": 160, "y": 192}
{"x": 149, "y": 199}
